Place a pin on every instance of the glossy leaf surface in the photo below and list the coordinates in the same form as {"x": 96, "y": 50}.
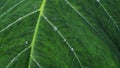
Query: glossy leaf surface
{"x": 59, "y": 33}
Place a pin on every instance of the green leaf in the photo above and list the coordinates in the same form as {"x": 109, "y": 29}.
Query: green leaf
{"x": 59, "y": 34}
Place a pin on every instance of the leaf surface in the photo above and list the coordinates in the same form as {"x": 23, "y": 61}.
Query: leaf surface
{"x": 59, "y": 34}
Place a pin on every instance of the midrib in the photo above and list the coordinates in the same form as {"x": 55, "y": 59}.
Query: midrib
{"x": 41, "y": 9}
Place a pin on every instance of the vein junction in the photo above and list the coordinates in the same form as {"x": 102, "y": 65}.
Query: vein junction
{"x": 36, "y": 31}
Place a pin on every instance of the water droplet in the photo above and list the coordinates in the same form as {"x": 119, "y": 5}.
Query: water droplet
{"x": 66, "y": 2}
{"x": 72, "y": 49}
{"x": 98, "y": 1}
{"x": 26, "y": 42}
{"x": 45, "y": 18}
{"x": 55, "y": 29}
{"x": 20, "y": 18}
{"x": 64, "y": 40}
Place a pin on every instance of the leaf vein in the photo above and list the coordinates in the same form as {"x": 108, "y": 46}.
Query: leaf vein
{"x": 11, "y": 8}
{"x": 19, "y": 19}
{"x": 113, "y": 20}
{"x": 15, "y": 58}
{"x": 36, "y": 31}
{"x": 64, "y": 39}
{"x": 36, "y": 62}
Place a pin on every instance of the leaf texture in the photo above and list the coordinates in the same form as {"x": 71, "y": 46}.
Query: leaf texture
{"x": 59, "y": 34}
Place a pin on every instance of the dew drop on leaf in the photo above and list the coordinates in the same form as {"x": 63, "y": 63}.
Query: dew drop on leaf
{"x": 55, "y": 29}
{"x": 98, "y": 0}
{"x": 26, "y": 42}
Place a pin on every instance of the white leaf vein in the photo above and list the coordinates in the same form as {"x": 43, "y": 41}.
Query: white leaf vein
{"x": 19, "y": 19}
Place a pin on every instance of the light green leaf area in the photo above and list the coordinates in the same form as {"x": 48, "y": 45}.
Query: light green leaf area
{"x": 59, "y": 33}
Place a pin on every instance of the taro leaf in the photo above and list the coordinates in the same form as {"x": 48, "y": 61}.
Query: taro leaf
{"x": 59, "y": 34}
